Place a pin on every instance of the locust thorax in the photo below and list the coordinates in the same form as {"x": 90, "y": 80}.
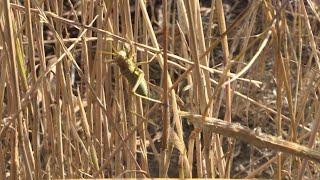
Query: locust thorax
{"x": 122, "y": 60}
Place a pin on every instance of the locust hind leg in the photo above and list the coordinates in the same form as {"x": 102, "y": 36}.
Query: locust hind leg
{"x": 135, "y": 87}
{"x": 139, "y": 81}
{"x": 147, "y": 98}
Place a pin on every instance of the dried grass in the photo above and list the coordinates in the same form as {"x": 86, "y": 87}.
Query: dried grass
{"x": 230, "y": 75}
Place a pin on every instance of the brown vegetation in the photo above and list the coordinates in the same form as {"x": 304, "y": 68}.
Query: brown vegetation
{"x": 232, "y": 89}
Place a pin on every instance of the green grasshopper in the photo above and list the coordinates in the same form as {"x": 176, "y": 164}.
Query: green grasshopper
{"x": 134, "y": 75}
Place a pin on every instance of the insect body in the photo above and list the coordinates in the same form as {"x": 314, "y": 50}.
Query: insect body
{"x": 133, "y": 74}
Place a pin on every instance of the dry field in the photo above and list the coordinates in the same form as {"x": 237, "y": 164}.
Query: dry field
{"x": 159, "y": 88}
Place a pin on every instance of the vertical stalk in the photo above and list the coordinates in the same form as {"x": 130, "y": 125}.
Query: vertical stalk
{"x": 35, "y": 125}
{"x": 18, "y": 124}
{"x": 165, "y": 110}
{"x": 228, "y": 95}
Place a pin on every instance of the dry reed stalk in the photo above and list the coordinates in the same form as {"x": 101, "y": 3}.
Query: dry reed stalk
{"x": 256, "y": 138}
{"x": 18, "y": 136}
{"x": 165, "y": 109}
{"x": 3, "y": 77}
{"x": 312, "y": 138}
{"x": 34, "y": 109}
{"x": 200, "y": 83}
{"x": 316, "y": 121}
{"x": 279, "y": 78}
{"x": 132, "y": 102}
{"x": 145, "y": 135}
{"x": 103, "y": 131}
{"x": 160, "y": 61}
{"x": 228, "y": 95}
{"x": 97, "y": 71}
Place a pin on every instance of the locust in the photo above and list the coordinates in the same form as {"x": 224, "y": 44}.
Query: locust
{"x": 130, "y": 70}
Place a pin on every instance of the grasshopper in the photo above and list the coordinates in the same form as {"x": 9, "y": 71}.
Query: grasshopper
{"x": 134, "y": 75}
{"x": 132, "y": 72}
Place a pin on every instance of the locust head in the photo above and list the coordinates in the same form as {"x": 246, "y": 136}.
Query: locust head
{"x": 122, "y": 54}
{"x": 126, "y": 52}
